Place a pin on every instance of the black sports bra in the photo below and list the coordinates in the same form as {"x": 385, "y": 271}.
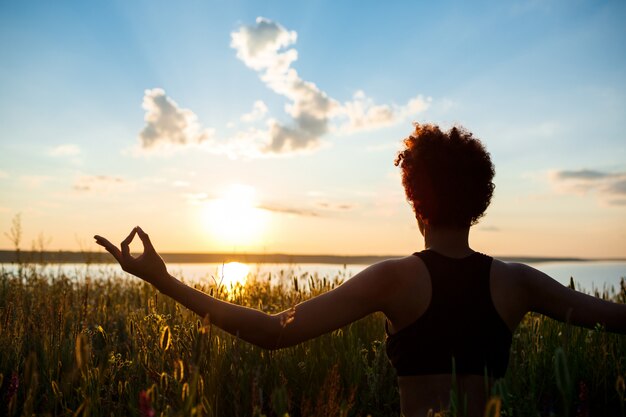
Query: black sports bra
{"x": 460, "y": 332}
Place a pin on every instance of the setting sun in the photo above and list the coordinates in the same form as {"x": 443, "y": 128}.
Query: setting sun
{"x": 234, "y": 218}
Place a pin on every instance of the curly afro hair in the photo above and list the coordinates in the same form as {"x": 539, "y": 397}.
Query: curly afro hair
{"x": 447, "y": 176}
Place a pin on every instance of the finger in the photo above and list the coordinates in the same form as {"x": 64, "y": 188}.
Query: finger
{"x": 126, "y": 242}
{"x": 147, "y": 245}
{"x": 111, "y": 248}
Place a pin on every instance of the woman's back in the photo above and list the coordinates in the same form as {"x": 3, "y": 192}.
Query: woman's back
{"x": 433, "y": 320}
{"x": 460, "y": 331}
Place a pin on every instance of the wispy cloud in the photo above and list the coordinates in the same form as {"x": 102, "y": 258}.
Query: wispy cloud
{"x": 609, "y": 186}
{"x": 197, "y": 198}
{"x": 311, "y": 113}
{"x": 311, "y": 209}
{"x": 289, "y": 210}
{"x": 67, "y": 149}
{"x": 335, "y": 206}
{"x": 583, "y": 174}
{"x": 97, "y": 183}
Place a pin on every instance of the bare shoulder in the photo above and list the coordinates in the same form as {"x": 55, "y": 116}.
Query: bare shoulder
{"x": 522, "y": 275}
{"x": 383, "y": 277}
{"x": 405, "y": 262}
{"x": 511, "y": 269}
{"x": 527, "y": 283}
{"x": 509, "y": 291}
{"x": 406, "y": 270}
{"x": 391, "y": 275}
{"x": 510, "y": 274}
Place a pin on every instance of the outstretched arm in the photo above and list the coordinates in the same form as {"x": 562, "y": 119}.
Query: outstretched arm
{"x": 361, "y": 295}
{"x": 549, "y": 297}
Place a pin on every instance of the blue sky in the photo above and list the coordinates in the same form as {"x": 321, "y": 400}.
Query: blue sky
{"x": 542, "y": 83}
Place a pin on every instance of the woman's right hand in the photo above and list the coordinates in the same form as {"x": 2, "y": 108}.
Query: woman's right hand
{"x": 148, "y": 266}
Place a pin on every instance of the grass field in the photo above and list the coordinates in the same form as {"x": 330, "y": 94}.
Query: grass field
{"x": 95, "y": 343}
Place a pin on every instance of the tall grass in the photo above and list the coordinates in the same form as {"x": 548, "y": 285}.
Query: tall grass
{"x": 95, "y": 343}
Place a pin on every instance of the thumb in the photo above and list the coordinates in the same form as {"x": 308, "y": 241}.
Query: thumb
{"x": 111, "y": 248}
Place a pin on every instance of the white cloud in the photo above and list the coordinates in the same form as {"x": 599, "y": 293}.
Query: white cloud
{"x": 257, "y": 46}
{"x": 3, "y": 174}
{"x": 267, "y": 47}
{"x": 67, "y": 149}
{"x": 362, "y": 113}
{"x": 168, "y": 124}
{"x": 264, "y": 48}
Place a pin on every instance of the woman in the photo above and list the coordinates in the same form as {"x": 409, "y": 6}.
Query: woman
{"x": 450, "y": 310}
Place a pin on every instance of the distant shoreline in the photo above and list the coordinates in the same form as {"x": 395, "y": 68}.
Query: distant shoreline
{"x": 9, "y": 256}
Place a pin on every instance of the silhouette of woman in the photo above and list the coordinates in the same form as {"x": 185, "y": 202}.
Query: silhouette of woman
{"x": 450, "y": 310}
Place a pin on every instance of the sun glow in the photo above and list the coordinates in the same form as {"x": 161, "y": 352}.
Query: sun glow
{"x": 234, "y": 218}
{"x": 233, "y": 273}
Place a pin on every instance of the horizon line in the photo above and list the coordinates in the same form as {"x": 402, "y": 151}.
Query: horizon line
{"x": 65, "y": 256}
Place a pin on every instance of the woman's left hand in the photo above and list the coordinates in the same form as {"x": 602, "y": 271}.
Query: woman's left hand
{"x": 148, "y": 266}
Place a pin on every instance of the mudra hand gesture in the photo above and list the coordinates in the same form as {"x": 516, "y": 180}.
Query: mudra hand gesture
{"x": 148, "y": 266}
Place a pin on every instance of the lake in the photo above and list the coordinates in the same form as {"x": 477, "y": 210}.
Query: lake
{"x": 587, "y": 275}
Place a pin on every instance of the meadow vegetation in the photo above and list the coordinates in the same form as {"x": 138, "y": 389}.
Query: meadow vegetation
{"x": 96, "y": 343}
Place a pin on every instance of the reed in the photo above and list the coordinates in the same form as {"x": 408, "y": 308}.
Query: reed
{"x": 95, "y": 343}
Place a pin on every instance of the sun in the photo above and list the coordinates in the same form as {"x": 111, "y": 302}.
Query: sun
{"x": 234, "y": 219}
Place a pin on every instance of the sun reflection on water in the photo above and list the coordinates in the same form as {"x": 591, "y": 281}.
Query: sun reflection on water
{"x": 233, "y": 273}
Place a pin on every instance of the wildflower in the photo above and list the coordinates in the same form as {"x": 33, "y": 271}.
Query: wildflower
{"x": 145, "y": 407}
{"x": 102, "y": 332}
{"x": 165, "y": 339}
{"x": 179, "y": 370}
{"x": 185, "y": 391}
{"x": 163, "y": 381}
